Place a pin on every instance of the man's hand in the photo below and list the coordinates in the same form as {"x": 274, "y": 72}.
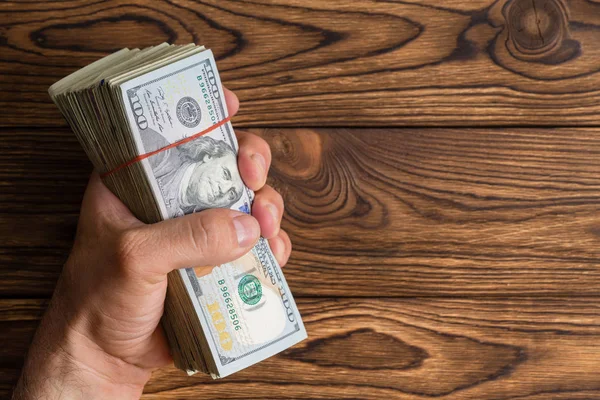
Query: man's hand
{"x": 100, "y": 337}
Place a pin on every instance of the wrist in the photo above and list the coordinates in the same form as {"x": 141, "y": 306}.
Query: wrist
{"x": 65, "y": 363}
{"x": 62, "y": 375}
{"x": 101, "y": 374}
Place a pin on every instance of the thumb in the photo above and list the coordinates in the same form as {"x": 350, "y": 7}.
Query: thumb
{"x": 208, "y": 238}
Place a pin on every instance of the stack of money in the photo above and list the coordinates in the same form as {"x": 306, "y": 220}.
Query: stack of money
{"x": 154, "y": 122}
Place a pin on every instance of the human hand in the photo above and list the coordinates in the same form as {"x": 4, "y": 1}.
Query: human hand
{"x": 100, "y": 337}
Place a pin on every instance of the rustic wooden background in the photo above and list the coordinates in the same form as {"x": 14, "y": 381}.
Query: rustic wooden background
{"x": 440, "y": 163}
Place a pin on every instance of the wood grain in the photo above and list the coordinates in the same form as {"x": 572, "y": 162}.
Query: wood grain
{"x": 393, "y": 348}
{"x": 428, "y": 263}
{"x": 314, "y": 63}
{"x": 371, "y": 212}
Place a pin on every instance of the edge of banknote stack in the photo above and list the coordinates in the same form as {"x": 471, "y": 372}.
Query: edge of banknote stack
{"x": 197, "y": 319}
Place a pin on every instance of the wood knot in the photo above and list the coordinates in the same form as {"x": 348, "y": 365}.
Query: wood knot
{"x": 363, "y": 349}
{"x": 298, "y": 153}
{"x": 127, "y": 30}
{"x": 539, "y": 31}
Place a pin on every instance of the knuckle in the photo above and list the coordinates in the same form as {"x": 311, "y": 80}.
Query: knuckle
{"x": 198, "y": 233}
{"x": 210, "y": 232}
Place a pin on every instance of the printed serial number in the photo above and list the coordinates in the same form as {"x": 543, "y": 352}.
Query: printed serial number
{"x": 229, "y": 304}
{"x": 218, "y": 319}
{"x": 206, "y": 96}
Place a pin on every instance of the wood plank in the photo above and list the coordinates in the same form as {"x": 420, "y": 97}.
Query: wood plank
{"x": 357, "y": 62}
{"x": 440, "y": 212}
{"x": 394, "y": 348}
{"x": 371, "y": 212}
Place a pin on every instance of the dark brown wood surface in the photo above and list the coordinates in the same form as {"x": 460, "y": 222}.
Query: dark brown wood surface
{"x": 372, "y": 62}
{"x": 371, "y": 212}
{"x": 476, "y": 348}
{"x": 441, "y": 261}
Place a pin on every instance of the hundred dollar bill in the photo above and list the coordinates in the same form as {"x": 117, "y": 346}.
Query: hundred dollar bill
{"x": 245, "y": 307}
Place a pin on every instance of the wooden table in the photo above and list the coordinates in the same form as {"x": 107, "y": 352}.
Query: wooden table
{"x": 440, "y": 163}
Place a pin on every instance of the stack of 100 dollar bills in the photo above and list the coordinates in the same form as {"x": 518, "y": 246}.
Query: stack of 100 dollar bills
{"x": 153, "y": 121}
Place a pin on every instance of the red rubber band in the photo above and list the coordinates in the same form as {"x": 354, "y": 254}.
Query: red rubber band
{"x": 182, "y": 141}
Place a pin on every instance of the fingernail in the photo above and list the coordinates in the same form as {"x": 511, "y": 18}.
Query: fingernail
{"x": 259, "y": 161}
{"x": 277, "y": 247}
{"x": 274, "y": 212}
{"x": 246, "y": 229}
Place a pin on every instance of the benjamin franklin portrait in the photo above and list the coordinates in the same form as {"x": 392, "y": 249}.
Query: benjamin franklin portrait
{"x": 196, "y": 175}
